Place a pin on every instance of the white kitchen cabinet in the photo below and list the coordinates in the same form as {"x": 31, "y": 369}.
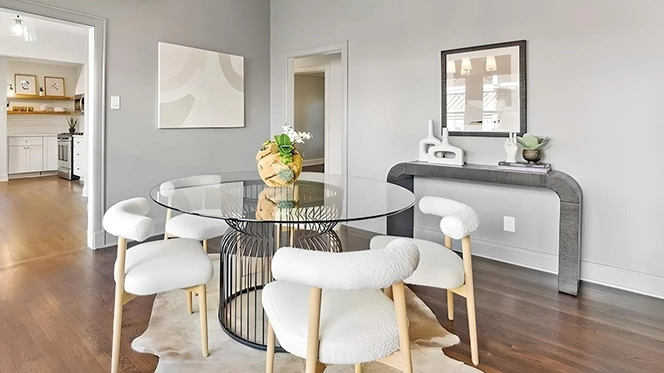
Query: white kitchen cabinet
{"x": 80, "y": 157}
{"x": 50, "y": 148}
{"x": 25, "y": 159}
{"x": 17, "y": 157}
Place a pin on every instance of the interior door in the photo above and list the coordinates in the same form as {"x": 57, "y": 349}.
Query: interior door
{"x": 17, "y": 159}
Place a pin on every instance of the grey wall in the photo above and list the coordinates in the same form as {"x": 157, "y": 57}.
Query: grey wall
{"x": 310, "y": 114}
{"x": 138, "y": 155}
{"x": 593, "y": 85}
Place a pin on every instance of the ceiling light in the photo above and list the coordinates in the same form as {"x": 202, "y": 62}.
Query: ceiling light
{"x": 18, "y": 26}
{"x": 491, "y": 63}
{"x": 466, "y": 66}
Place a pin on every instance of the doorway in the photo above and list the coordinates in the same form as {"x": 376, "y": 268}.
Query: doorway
{"x": 92, "y": 122}
{"x": 316, "y": 83}
{"x": 311, "y": 107}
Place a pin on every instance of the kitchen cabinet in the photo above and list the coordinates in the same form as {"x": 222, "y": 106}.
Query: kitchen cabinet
{"x": 25, "y": 159}
{"x": 80, "y": 157}
{"x": 50, "y": 148}
{"x": 32, "y": 154}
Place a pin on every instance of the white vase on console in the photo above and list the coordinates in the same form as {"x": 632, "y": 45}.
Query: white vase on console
{"x": 446, "y": 153}
{"x": 511, "y": 148}
{"x": 426, "y": 143}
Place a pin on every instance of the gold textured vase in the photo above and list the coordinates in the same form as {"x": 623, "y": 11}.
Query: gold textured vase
{"x": 273, "y": 171}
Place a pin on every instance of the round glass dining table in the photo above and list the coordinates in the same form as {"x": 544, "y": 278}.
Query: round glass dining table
{"x": 262, "y": 219}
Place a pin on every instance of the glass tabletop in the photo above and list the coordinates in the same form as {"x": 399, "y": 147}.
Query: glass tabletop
{"x": 315, "y": 197}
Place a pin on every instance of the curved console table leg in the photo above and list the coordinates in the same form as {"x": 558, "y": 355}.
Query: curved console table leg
{"x": 567, "y": 189}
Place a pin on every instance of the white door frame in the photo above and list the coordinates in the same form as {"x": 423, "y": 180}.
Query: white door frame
{"x": 289, "y": 90}
{"x": 325, "y": 69}
{"x": 95, "y": 106}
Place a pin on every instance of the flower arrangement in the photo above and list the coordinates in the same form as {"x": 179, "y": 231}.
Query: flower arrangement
{"x": 279, "y": 162}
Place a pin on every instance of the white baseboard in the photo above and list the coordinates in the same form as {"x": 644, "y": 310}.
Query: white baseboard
{"x": 98, "y": 240}
{"x": 313, "y": 162}
{"x": 4, "y": 177}
{"x": 633, "y": 281}
{"x": 519, "y": 256}
{"x": 615, "y": 277}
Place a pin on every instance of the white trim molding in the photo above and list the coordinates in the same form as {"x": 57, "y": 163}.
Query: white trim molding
{"x": 313, "y": 162}
{"x": 4, "y": 177}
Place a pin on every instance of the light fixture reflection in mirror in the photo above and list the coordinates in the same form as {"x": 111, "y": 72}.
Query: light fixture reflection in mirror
{"x": 485, "y": 90}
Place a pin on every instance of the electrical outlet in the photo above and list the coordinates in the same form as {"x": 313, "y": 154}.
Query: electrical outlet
{"x": 509, "y": 224}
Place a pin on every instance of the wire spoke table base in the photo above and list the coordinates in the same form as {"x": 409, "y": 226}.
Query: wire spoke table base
{"x": 246, "y": 257}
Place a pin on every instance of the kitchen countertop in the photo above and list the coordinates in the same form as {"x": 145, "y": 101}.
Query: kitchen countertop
{"x": 33, "y": 135}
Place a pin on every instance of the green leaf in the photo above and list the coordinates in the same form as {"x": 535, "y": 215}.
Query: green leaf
{"x": 531, "y": 141}
{"x": 282, "y": 139}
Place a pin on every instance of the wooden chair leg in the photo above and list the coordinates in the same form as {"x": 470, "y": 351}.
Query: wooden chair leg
{"x": 205, "y": 245}
{"x": 117, "y": 328}
{"x": 450, "y": 305}
{"x": 315, "y": 297}
{"x": 470, "y": 300}
{"x": 202, "y": 305}
{"x": 358, "y": 368}
{"x": 269, "y": 363}
{"x": 320, "y": 367}
{"x": 402, "y": 321}
{"x": 190, "y": 301}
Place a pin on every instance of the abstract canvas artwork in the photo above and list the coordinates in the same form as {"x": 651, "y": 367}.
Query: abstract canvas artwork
{"x": 199, "y": 88}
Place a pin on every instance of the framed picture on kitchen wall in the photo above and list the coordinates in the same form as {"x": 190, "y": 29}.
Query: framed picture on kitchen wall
{"x": 25, "y": 84}
{"x": 54, "y": 86}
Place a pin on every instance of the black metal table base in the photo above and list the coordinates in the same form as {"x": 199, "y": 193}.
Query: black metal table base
{"x": 246, "y": 257}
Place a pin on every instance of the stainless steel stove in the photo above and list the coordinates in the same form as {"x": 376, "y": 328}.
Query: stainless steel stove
{"x": 66, "y": 155}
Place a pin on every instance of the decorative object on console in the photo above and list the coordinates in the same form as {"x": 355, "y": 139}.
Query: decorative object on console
{"x": 10, "y": 91}
{"x": 199, "y": 88}
{"x": 532, "y": 146}
{"x": 487, "y": 95}
{"x": 54, "y": 86}
{"x": 279, "y": 163}
{"x": 72, "y": 122}
{"x": 511, "y": 148}
{"x": 426, "y": 143}
{"x": 539, "y": 168}
{"x": 446, "y": 153}
{"x": 25, "y": 84}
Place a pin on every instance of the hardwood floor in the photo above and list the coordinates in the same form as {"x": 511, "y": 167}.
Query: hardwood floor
{"x": 56, "y": 305}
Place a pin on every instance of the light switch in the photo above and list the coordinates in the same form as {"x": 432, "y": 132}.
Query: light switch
{"x": 115, "y": 102}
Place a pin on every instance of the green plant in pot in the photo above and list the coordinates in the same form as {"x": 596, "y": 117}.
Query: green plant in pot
{"x": 72, "y": 122}
{"x": 532, "y": 147}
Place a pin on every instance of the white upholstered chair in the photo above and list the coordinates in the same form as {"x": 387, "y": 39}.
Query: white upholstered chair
{"x": 328, "y": 307}
{"x": 193, "y": 188}
{"x": 153, "y": 267}
{"x": 442, "y": 268}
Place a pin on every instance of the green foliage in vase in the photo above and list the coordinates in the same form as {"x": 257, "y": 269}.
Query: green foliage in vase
{"x": 529, "y": 141}
{"x": 286, "y": 148}
{"x": 72, "y": 122}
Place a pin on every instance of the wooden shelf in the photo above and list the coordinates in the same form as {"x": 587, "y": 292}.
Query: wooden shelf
{"x": 39, "y": 98}
{"x": 40, "y": 113}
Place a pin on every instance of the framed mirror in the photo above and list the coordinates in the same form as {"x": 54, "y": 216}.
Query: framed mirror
{"x": 484, "y": 90}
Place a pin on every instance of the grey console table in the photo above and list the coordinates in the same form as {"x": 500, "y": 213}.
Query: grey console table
{"x": 567, "y": 189}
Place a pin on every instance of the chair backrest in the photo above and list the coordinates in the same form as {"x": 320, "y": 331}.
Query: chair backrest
{"x": 356, "y": 270}
{"x": 458, "y": 220}
{"x": 127, "y": 219}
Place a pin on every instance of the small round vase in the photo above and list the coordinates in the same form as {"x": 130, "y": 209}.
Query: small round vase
{"x": 72, "y": 130}
{"x": 272, "y": 171}
{"x": 531, "y": 155}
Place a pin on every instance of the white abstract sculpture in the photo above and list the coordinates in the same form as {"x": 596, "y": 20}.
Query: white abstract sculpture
{"x": 426, "y": 143}
{"x": 446, "y": 153}
{"x": 511, "y": 148}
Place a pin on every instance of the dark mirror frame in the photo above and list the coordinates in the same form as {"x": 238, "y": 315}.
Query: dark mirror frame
{"x": 522, "y": 87}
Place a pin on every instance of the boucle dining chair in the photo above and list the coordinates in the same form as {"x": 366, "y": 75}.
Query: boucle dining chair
{"x": 328, "y": 308}
{"x": 440, "y": 266}
{"x": 187, "y": 225}
{"x": 153, "y": 267}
